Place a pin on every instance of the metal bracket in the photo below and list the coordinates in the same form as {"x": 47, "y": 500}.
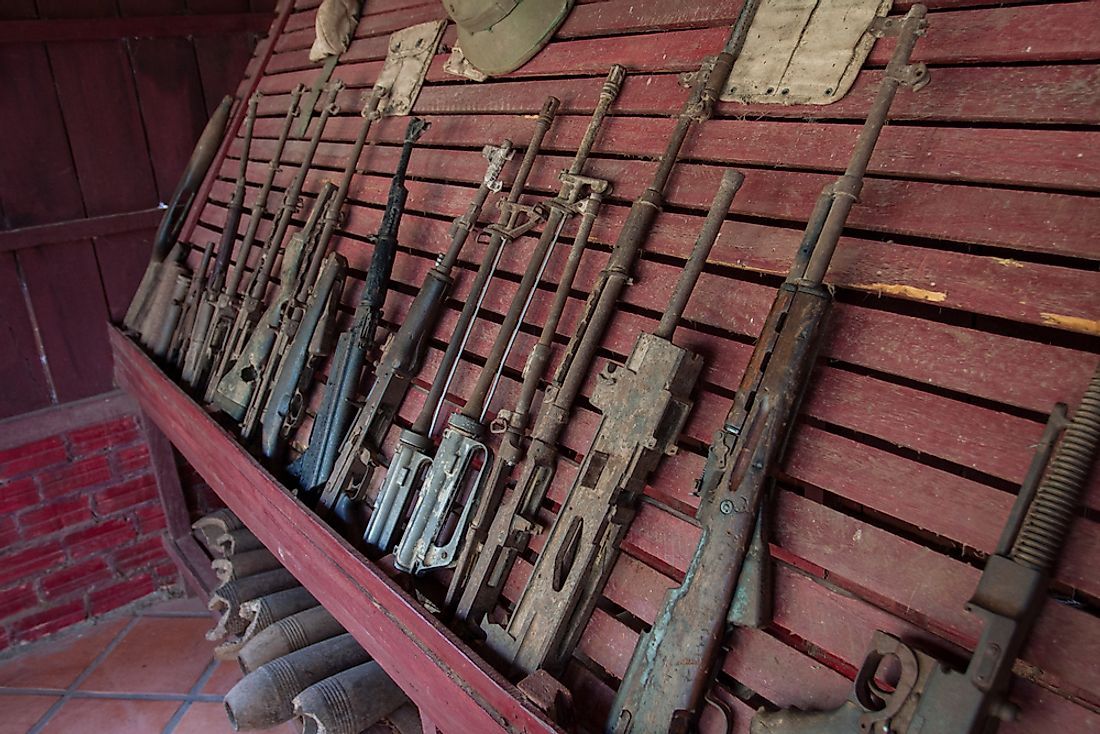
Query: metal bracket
{"x": 410, "y": 53}
{"x": 459, "y": 65}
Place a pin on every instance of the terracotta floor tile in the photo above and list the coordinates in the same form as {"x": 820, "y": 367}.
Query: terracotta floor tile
{"x": 97, "y": 716}
{"x": 186, "y": 605}
{"x": 210, "y": 718}
{"x": 225, "y": 677}
{"x": 56, "y": 664}
{"x": 158, "y": 655}
{"x": 21, "y": 712}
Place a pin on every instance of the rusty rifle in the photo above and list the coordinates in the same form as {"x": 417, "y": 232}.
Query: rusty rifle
{"x": 403, "y": 355}
{"x": 166, "y": 250}
{"x": 645, "y": 403}
{"x": 284, "y": 407}
{"x": 514, "y": 522}
{"x": 673, "y": 664}
{"x": 200, "y": 369}
{"x": 236, "y": 376}
{"x": 462, "y": 443}
{"x": 930, "y": 696}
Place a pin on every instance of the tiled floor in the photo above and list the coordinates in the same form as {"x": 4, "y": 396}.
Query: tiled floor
{"x": 149, "y": 673}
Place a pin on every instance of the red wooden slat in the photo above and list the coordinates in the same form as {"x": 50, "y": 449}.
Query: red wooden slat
{"x": 21, "y": 369}
{"x": 122, "y": 259}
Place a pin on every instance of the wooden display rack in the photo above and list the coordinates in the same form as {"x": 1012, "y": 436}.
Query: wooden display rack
{"x": 454, "y": 690}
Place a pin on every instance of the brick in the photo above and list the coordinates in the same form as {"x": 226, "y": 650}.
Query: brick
{"x": 98, "y": 537}
{"x": 55, "y": 516}
{"x": 150, "y": 519}
{"x": 168, "y": 574}
{"x": 144, "y": 553}
{"x": 9, "y": 532}
{"x": 77, "y": 475}
{"x": 114, "y": 596}
{"x": 51, "y": 619}
{"x": 18, "y": 494}
{"x": 76, "y": 577}
{"x": 5, "y": 639}
{"x": 119, "y": 432}
{"x": 17, "y": 599}
{"x": 125, "y": 495}
{"x": 132, "y": 459}
{"x": 19, "y": 565}
{"x": 32, "y": 456}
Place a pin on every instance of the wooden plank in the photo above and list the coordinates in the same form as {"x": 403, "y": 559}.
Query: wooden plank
{"x": 222, "y": 63}
{"x": 152, "y": 26}
{"x": 436, "y": 670}
{"x": 71, "y": 322}
{"x": 122, "y": 260}
{"x": 25, "y": 428}
{"x": 39, "y": 184}
{"x": 22, "y": 370}
{"x": 96, "y": 89}
{"x": 109, "y": 224}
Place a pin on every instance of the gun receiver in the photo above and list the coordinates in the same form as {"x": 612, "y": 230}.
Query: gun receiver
{"x": 673, "y": 664}
{"x": 187, "y": 342}
{"x": 514, "y": 522}
{"x": 931, "y": 697}
{"x": 166, "y": 252}
{"x": 645, "y": 403}
{"x": 462, "y": 442}
{"x": 284, "y": 409}
{"x": 237, "y": 374}
{"x": 402, "y": 357}
{"x": 513, "y": 221}
{"x": 202, "y": 369}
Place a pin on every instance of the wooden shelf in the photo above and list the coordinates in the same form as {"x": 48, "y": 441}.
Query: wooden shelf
{"x": 455, "y": 690}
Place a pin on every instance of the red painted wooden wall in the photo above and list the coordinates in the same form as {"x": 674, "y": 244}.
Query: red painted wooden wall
{"x": 95, "y": 127}
{"x": 969, "y": 303}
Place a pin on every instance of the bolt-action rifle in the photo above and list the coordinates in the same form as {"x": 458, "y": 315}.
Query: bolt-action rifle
{"x": 283, "y": 409}
{"x": 200, "y": 364}
{"x": 164, "y": 259}
{"x": 199, "y": 307}
{"x": 245, "y": 353}
{"x": 491, "y": 552}
{"x": 645, "y": 403}
{"x": 513, "y": 221}
{"x": 931, "y": 697}
{"x": 674, "y": 662}
{"x": 462, "y": 443}
{"x": 403, "y": 355}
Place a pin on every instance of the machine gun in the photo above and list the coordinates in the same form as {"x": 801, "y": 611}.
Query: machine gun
{"x": 244, "y": 356}
{"x": 314, "y": 466}
{"x": 209, "y": 339}
{"x": 284, "y": 407}
{"x": 199, "y": 307}
{"x": 672, "y": 666}
{"x": 462, "y": 443}
{"x": 403, "y": 355}
{"x": 645, "y": 403}
{"x": 930, "y": 696}
{"x": 164, "y": 260}
{"x": 490, "y": 552}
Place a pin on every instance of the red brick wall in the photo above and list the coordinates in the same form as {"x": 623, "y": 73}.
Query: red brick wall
{"x": 81, "y": 529}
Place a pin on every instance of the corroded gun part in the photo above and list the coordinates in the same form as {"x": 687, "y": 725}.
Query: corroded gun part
{"x": 165, "y": 239}
{"x": 263, "y": 698}
{"x": 517, "y": 519}
{"x": 244, "y": 564}
{"x": 414, "y": 446}
{"x": 226, "y": 600}
{"x": 644, "y": 404}
{"x": 673, "y": 665}
{"x": 286, "y": 635}
{"x": 255, "y": 291}
{"x": 200, "y": 308}
{"x": 930, "y": 696}
{"x": 169, "y": 304}
{"x": 440, "y": 500}
{"x": 237, "y": 541}
{"x": 212, "y": 526}
{"x": 249, "y": 374}
{"x": 258, "y": 614}
{"x": 349, "y": 702}
{"x": 180, "y": 318}
{"x": 402, "y": 357}
{"x": 208, "y": 345}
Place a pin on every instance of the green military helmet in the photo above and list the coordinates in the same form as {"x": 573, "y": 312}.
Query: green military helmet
{"x": 499, "y": 36}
